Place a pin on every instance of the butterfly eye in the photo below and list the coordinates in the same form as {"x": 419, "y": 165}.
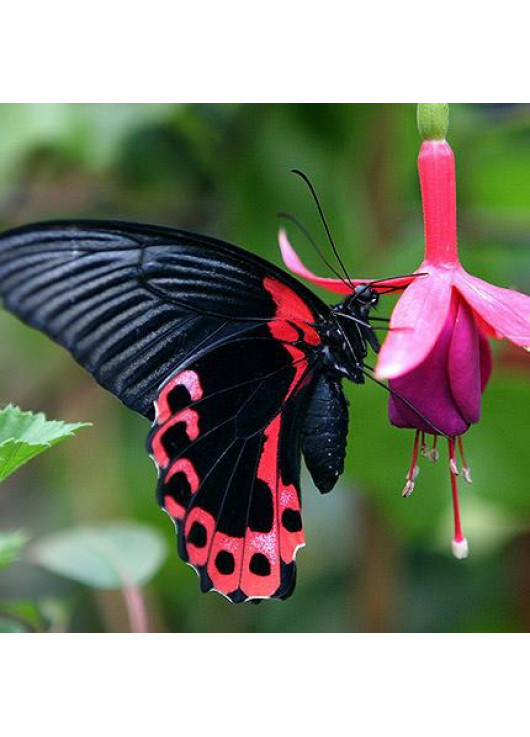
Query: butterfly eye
{"x": 364, "y": 295}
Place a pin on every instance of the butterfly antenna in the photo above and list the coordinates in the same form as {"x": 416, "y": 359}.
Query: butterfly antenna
{"x": 303, "y": 229}
{"x": 306, "y": 179}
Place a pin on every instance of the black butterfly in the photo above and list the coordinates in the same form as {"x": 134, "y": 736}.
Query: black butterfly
{"x": 238, "y": 365}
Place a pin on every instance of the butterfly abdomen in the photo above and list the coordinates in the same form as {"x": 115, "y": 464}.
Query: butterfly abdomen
{"x": 325, "y": 433}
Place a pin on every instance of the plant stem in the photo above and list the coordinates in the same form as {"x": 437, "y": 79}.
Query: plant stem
{"x": 136, "y": 609}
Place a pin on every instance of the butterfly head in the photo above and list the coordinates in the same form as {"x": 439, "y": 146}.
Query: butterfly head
{"x": 364, "y": 298}
{"x": 349, "y": 334}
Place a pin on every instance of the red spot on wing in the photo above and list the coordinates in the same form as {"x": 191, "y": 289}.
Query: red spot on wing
{"x": 186, "y": 467}
{"x": 183, "y": 465}
{"x": 190, "y": 381}
{"x": 173, "y": 508}
{"x": 225, "y": 580}
{"x": 190, "y": 418}
{"x": 158, "y": 450}
{"x": 290, "y": 308}
{"x": 198, "y": 554}
{"x": 290, "y": 542}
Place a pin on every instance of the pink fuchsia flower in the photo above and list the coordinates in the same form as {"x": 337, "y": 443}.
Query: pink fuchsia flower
{"x": 437, "y": 356}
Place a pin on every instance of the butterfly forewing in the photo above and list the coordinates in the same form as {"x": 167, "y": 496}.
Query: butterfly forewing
{"x": 131, "y": 302}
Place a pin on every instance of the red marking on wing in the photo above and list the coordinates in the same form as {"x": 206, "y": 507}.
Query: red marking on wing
{"x": 190, "y": 381}
{"x": 183, "y": 465}
{"x": 300, "y": 367}
{"x": 290, "y": 542}
{"x": 260, "y": 542}
{"x": 190, "y": 418}
{"x": 226, "y": 583}
{"x": 159, "y": 452}
{"x": 186, "y": 467}
{"x": 173, "y": 508}
{"x": 278, "y": 544}
{"x": 290, "y": 308}
{"x": 198, "y": 555}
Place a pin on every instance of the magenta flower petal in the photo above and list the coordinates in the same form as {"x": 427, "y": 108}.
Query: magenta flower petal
{"x": 428, "y": 387}
{"x": 506, "y": 312}
{"x": 486, "y": 362}
{"x": 464, "y": 365}
{"x": 417, "y": 322}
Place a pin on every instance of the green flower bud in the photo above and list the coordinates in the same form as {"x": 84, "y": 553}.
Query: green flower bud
{"x": 433, "y": 121}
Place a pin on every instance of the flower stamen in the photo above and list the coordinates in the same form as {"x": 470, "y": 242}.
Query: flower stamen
{"x": 414, "y": 468}
{"x": 466, "y": 471}
{"x": 424, "y": 447}
{"x": 434, "y": 453}
{"x": 459, "y": 544}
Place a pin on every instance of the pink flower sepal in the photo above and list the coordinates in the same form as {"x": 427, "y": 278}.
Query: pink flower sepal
{"x": 337, "y": 286}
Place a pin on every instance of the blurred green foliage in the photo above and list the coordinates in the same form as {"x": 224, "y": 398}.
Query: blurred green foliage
{"x": 110, "y": 556}
{"x": 374, "y": 561}
{"x": 11, "y": 544}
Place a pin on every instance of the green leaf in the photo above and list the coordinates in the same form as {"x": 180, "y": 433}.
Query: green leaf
{"x": 24, "y": 435}
{"x": 113, "y": 556}
{"x": 11, "y": 544}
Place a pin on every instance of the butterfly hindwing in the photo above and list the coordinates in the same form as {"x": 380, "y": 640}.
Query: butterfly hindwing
{"x": 228, "y": 469}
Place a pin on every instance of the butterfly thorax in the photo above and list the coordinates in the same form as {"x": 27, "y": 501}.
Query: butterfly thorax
{"x": 347, "y": 335}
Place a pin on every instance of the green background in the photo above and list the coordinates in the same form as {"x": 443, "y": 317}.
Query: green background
{"x": 374, "y": 562}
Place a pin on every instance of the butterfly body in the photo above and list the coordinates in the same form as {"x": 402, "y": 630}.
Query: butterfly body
{"x": 238, "y": 366}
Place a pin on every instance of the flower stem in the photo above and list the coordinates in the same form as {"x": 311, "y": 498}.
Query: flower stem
{"x": 136, "y": 609}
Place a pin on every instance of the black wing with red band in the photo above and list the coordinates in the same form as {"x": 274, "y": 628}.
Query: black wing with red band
{"x": 229, "y": 472}
{"x": 132, "y": 302}
{"x": 222, "y": 343}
